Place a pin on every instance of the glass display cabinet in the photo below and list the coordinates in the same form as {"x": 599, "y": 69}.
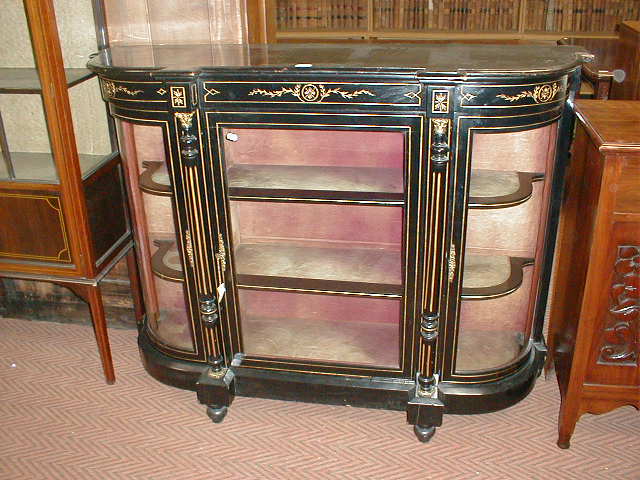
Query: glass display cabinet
{"x": 63, "y": 204}
{"x": 360, "y": 225}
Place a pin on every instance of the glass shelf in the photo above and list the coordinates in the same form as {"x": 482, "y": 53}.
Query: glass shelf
{"x": 492, "y": 276}
{"x": 26, "y": 80}
{"x": 498, "y": 189}
{"x": 373, "y": 271}
{"x": 311, "y": 182}
{"x": 40, "y": 167}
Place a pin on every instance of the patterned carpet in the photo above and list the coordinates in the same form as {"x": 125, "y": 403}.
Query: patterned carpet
{"x": 59, "y": 420}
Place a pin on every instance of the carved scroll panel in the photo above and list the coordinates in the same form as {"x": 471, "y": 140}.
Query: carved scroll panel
{"x": 620, "y": 343}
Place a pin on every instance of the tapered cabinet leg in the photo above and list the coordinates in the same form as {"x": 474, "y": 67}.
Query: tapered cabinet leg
{"x": 100, "y": 329}
{"x": 566, "y": 425}
{"x": 216, "y": 389}
{"x": 425, "y": 413}
{"x": 92, "y": 295}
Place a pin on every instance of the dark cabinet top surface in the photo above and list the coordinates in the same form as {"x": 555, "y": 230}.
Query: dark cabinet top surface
{"x": 401, "y": 59}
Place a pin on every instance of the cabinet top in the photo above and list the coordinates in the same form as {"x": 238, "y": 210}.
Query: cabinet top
{"x": 612, "y": 124}
{"x": 439, "y": 59}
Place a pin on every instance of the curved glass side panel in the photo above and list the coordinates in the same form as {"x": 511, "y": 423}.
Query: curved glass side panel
{"x": 508, "y": 190}
{"x": 161, "y": 268}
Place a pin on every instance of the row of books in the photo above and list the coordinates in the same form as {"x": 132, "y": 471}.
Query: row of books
{"x": 322, "y": 14}
{"x": 597, "y": 16}
{"x": 460, "y": 15}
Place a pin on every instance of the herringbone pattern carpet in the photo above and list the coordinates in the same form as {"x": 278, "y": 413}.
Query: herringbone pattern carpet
{"x": 58, "y": 420}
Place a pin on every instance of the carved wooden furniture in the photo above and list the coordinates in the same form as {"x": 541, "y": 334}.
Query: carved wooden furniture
{"x": 64, "y": 217}
{"x": 595, "y": 329}
{"x": 318, "y": 224}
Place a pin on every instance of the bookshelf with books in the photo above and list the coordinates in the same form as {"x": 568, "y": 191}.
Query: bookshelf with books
{"x": 425, "y": 19}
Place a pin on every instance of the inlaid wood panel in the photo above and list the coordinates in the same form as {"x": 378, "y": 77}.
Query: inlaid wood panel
{"x": 28, "y": 217}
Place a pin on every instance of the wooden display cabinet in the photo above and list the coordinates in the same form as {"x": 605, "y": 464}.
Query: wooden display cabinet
{"x": 318, "y": 224}
{"x": 594, "y": 327}
{"x": 64, "y": 214}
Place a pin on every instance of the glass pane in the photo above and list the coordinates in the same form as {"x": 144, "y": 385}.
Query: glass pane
{"x": 327, "y": 247}
{"x": 162, "y": 278}
{"x": 318, "y": 211}
{"x": 339, "y": 329}
{"x": 297, "y": 163}
{"x": 508, "y": 190}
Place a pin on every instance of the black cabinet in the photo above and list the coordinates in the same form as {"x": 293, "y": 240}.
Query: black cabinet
{"x": 361, "y": 225}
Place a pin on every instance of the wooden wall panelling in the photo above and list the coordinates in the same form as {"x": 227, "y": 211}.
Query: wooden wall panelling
{"x": 174, "y": 21}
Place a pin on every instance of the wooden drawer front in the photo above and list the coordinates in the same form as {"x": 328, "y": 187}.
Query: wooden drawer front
{"x": 33, "y": 228}
{"x": 325, "y": 93}
{"x": 514, "y": 95}
{"x": 130, "y": 93}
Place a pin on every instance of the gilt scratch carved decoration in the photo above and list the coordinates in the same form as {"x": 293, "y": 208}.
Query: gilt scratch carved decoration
{"x": 111, "y": 89}
{"x": 311, "y": 93}
{"x": 540, "y": 94}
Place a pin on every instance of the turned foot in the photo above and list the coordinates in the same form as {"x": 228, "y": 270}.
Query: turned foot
{"x": 216, "y": 414}
{"x": 424, "y": 433}
{"x": 564, "y": 444}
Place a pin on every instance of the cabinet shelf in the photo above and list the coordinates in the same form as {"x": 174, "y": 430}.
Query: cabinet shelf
{"x": 492, "y": 276}
{"x": 26, "y": 80}
{"x": 356, "y": 270}
{"x": 498, "y": 189}
{"x": 366, "y": 343}
{"x": 165, "y": 262}
{"x": 155, "y": 179}
{"x": 316, "y": 182}
{"x": 40, "y": 167}
{"x": 480, "y": 350}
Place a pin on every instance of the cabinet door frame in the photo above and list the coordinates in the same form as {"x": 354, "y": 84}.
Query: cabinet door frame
{"x": 413, "y": 126}
{"x": 504, "y": 122}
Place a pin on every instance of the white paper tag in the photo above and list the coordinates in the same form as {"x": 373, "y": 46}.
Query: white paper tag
{"x": 221, "y": 290}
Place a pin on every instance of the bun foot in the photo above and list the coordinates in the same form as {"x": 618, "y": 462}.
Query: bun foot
{"x": 424, "y": 433}
{"x": 216, "y": 414}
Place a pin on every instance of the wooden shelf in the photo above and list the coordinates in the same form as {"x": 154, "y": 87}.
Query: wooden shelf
{"x": 350, "y": 270}
{"x": 40, "y": 167}
{"x": 497, "y": 189}
{"x": 165, "y": 262}
{"x": 491, "y": 276}
{"x": 26, "y": 80}
{"x": 316, "y": 182}
{"x": 155, "y": 179}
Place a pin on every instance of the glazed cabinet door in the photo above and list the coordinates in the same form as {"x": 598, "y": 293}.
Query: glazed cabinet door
{"x": 155, "y": 185}
{"x": 503, "y": 187}
{"x": 314, "y": 213}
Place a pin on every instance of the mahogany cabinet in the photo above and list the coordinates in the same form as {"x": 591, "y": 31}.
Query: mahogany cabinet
{"x": 594, "y": 328}
{"x": 63, "y": 213}
{"x": 357, "y": 225}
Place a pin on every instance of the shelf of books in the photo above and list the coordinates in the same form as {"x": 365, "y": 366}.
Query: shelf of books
{"x": 423, "y": 19}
